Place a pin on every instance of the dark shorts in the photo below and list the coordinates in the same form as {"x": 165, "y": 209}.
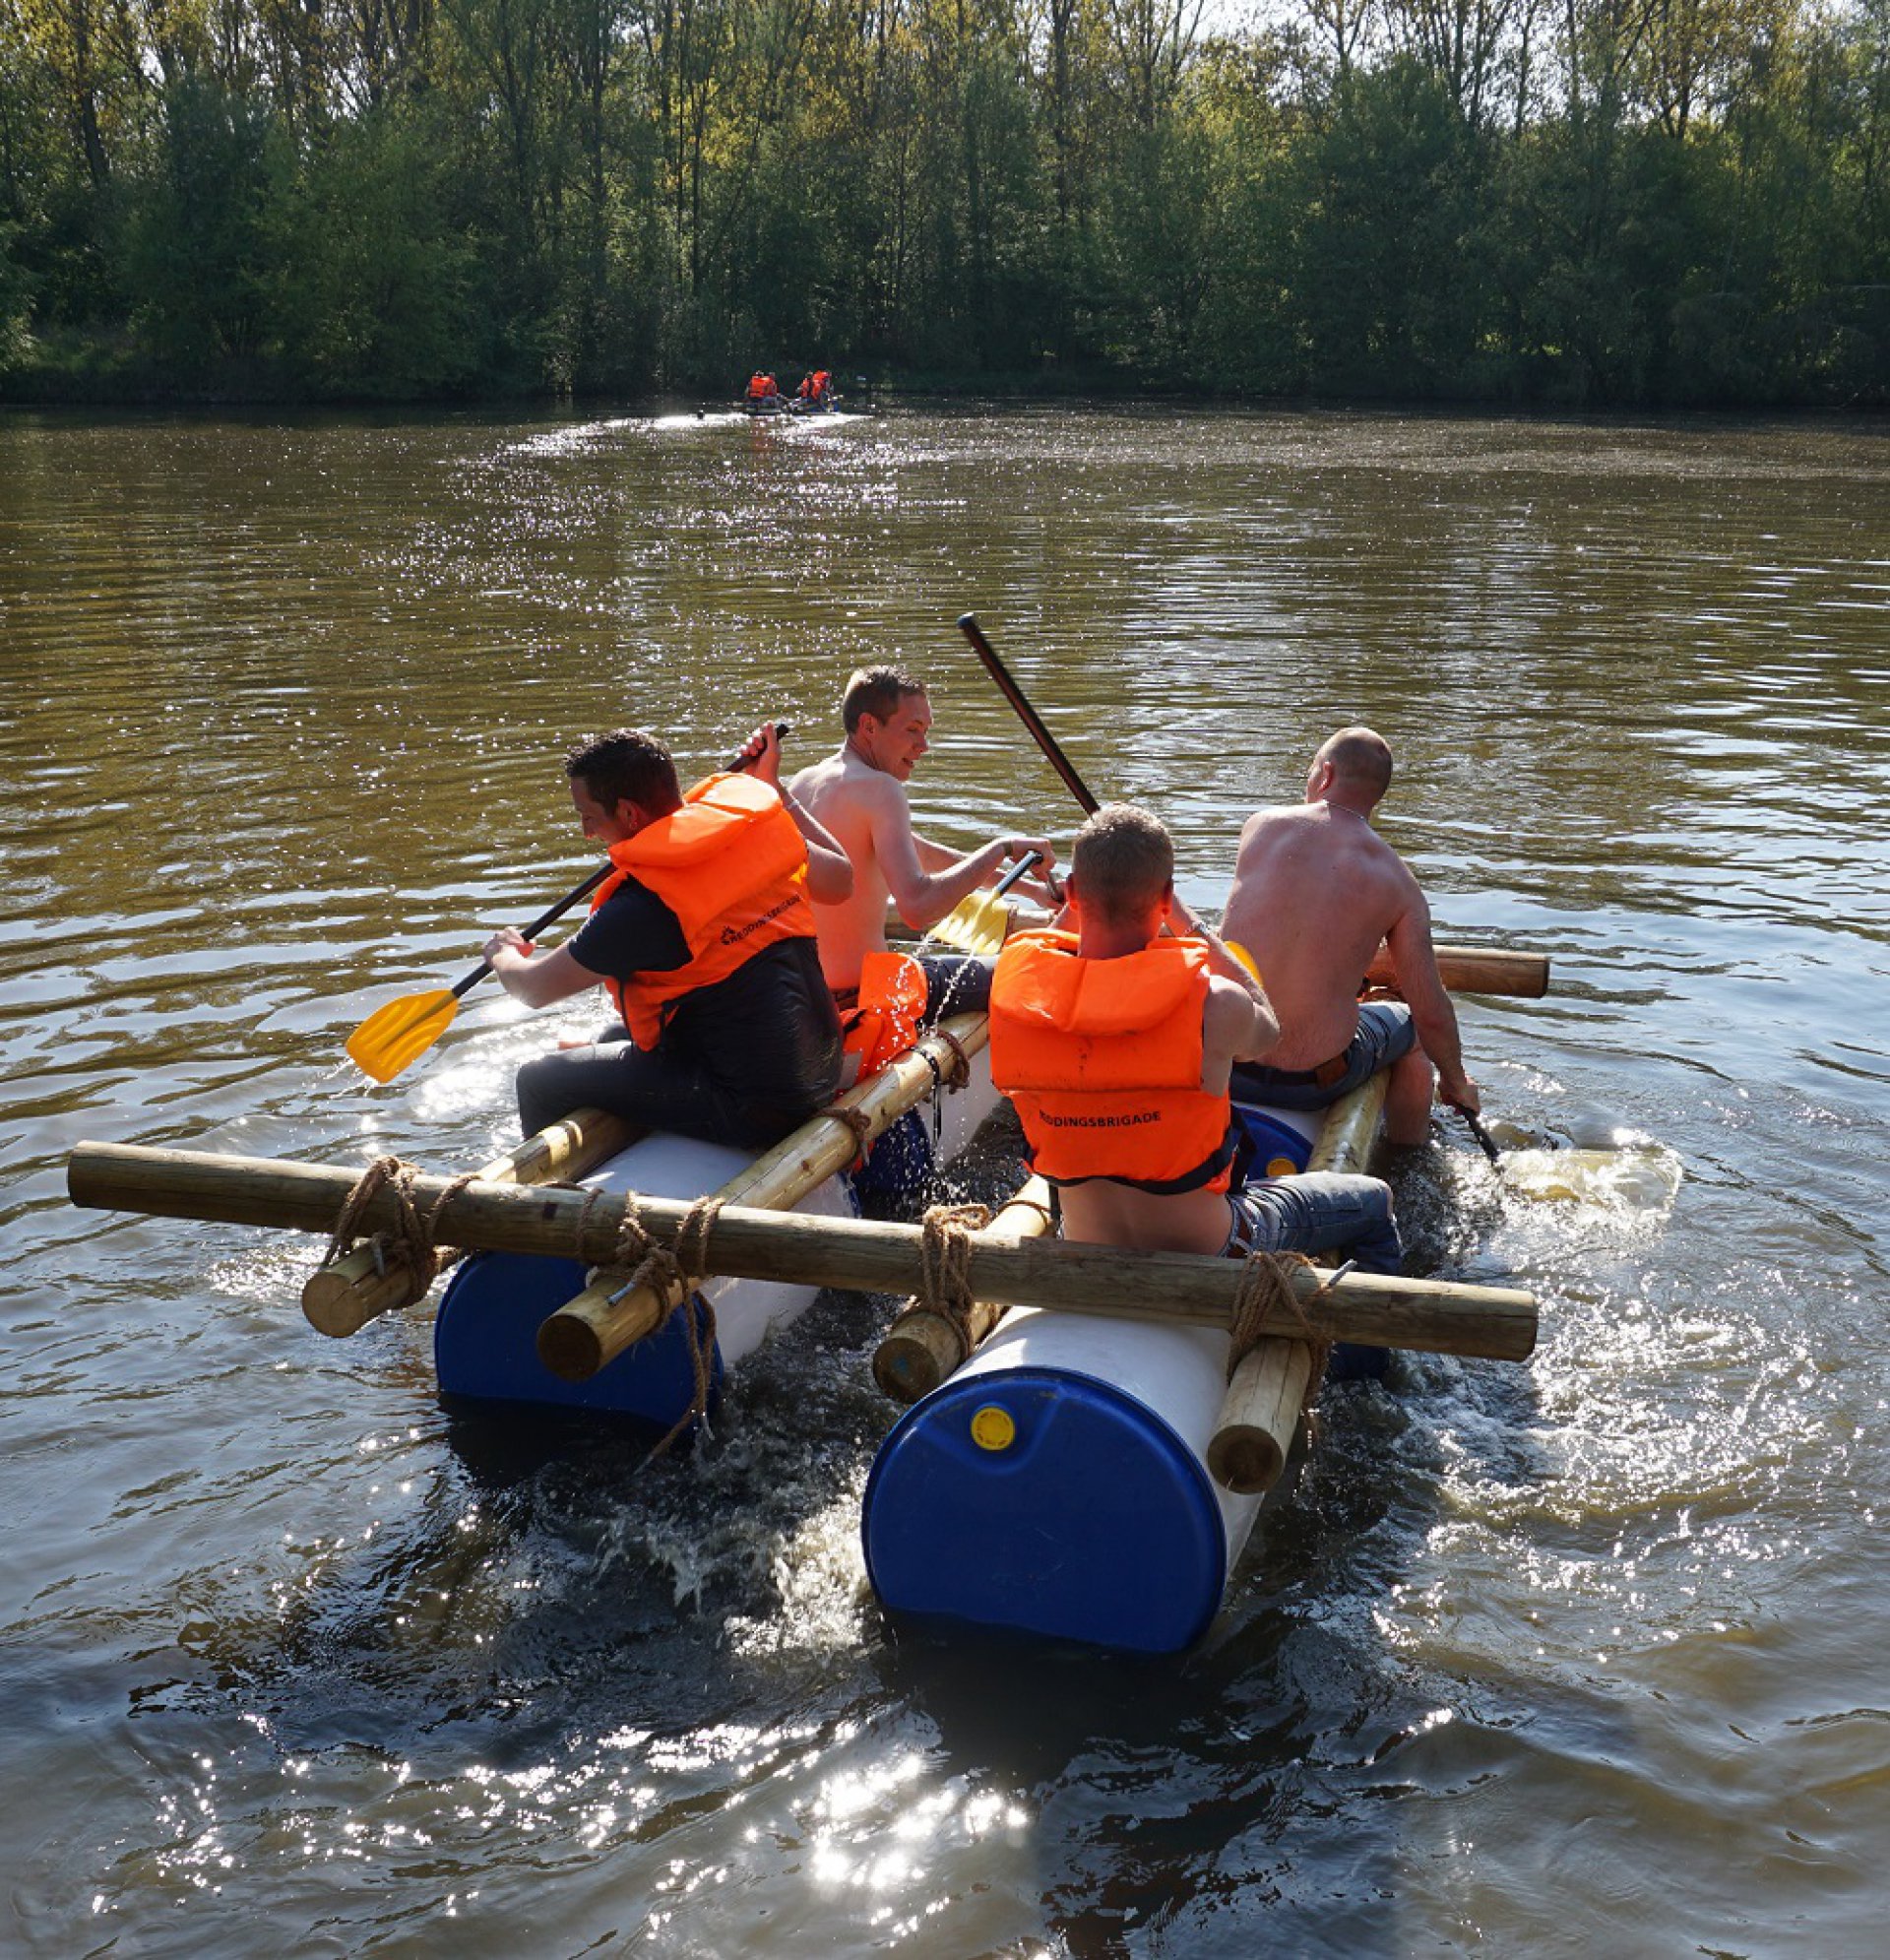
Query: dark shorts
{"x": 1385, "y": 1032}
{"x": 955, "y": 983}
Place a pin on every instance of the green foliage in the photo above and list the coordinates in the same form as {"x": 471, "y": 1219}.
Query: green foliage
{"x": 1605, "y": 202}
{"x": 372, "y": 288}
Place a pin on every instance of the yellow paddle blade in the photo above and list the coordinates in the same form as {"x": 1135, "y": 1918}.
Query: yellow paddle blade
{"x": 394, "y": 1034}
{"x": 976, "y": 923}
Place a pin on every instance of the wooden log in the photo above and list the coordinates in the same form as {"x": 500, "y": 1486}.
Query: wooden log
{"x": 1497, "y": 1322}
{"x": 921, "y": 1347}
{"x": 1249, "y": 1449}
{"x": 1476, "y": 970}
{"x": 592, "y": 1329}
{"x": 1351, "y": 1129}
{"x": 341, "y": 1298}
{"x": 1268, "y": 1391}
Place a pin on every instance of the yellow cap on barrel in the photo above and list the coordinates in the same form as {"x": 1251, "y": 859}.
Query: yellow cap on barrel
{"x": 992, "y": 1427}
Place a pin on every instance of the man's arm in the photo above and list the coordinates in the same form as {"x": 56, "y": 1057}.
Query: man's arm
{"x": 1415, "y": 961}
{"x": 1235, "y": 1025}
{"x": 923, "y": 896}
{"x": 830, "y": 871}
{"x": 537, "y": 979}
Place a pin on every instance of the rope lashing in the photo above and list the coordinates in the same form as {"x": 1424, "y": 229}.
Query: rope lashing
{"x": 668, "y": 1271}
{"x": 1265, "y": 1306}
{"x": 857, "y": 1121}
{"x": 409, "y": 1243}
{"x": 959, "y": 1075}
{"x": 945, "y": 1263}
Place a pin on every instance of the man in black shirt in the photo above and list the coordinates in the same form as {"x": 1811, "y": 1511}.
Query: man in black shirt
{"x": 704, "y": 939}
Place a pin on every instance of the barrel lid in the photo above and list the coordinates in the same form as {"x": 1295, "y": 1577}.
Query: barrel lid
{"x": 485, "y": 1344}
{"x": 1045, "y": 1501}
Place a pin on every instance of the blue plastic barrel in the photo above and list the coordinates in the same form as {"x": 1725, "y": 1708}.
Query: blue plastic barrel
{"x": 485, "y": 1344}
{"x": 1131, "y": 1551}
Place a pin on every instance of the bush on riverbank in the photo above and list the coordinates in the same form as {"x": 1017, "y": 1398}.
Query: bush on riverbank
{"x": 1619, "y": 206}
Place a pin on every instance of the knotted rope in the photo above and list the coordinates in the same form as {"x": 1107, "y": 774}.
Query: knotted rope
{"x": 945, "y": 1264}
{"x": 671, "y": 1274}
{"x": 1265, "y": 1304}
{"x": 959, "y": 1075}
{"x": 409, "y": 1243}
{"x": 855, "y": 1120}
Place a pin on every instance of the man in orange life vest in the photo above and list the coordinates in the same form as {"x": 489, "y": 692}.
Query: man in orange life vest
{"x": 704, "y": 937}
{"x": 860, "y": 794}
{"x": 1115, "y": 1045}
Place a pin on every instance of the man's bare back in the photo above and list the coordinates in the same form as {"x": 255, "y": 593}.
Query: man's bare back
{"x": 1315, "y": 890}
{"x": 853, "y": 802}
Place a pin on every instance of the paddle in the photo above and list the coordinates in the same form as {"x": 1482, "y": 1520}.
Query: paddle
{"x": 403, "y": 1029}
{"x": 978, "y": 922}
{"x": 1485, "y": 1142}
{"x": 995, "y": 667}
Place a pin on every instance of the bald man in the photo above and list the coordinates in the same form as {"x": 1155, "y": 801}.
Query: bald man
{"x": 1315, "y": 890}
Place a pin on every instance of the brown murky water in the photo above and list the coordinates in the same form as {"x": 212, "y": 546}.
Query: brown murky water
{"x": 1583, "y": 1656}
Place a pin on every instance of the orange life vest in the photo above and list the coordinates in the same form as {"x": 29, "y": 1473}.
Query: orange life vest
{"x": 1102, "y": 1060}
{"x": 884, "y": 1021}
{"x": 760, "y": 387}
{"x": 731, "y": 867}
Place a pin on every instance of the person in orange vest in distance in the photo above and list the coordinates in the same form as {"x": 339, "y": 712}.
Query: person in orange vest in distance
{"x": 762, "y": 389}
{"x": 1116, "y": 1044}
{"x": 703, "y": 938}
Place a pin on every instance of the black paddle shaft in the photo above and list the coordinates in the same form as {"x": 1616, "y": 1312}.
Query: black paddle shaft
{"x": 995, "y": 667}
{"x": 1485, "y": 1142}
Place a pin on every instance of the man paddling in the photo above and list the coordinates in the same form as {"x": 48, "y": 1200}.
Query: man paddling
{"x": 704, "y": 937}
{"x": 858, "y": 793}
{"x": 1116, "y": 1044}
{"x": 1315, "y": 890}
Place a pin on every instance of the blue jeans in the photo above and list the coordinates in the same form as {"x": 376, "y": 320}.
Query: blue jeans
{"x": 1385, "y": 1032}
{"x": 1320, "y": 1211}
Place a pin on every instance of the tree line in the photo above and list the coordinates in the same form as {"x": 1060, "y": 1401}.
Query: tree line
{"x": 1565, "y": 202}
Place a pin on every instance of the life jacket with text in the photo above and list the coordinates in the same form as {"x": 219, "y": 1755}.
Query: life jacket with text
{"x": 731, "y": 867}
{"x": 1103, "y": 1060}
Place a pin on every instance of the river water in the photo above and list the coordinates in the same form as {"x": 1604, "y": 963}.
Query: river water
{"x": 1581, "y": 1655}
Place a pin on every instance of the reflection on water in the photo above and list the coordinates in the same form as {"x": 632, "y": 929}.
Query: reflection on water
{"x": 1581, "y": 1653}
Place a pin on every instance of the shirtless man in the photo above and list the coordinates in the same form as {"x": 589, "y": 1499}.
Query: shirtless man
{"x": 858, "y": 795}
{"x": 1116, "y": 1045}
{"x": 1315, "y": 889}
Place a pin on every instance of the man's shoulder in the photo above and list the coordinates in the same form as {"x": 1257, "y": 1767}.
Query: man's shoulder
{"x": 1271, "y": 815}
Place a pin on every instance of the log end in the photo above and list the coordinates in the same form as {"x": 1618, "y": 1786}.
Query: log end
{"x": 1245, "y": 1459}
{"x": 568, "y": 1344}
{"x": 920, "y": 1350}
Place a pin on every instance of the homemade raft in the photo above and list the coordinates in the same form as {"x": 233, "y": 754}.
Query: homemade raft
{"x": 1081, "y": 1467}
{"x": 520, "y": 1327}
